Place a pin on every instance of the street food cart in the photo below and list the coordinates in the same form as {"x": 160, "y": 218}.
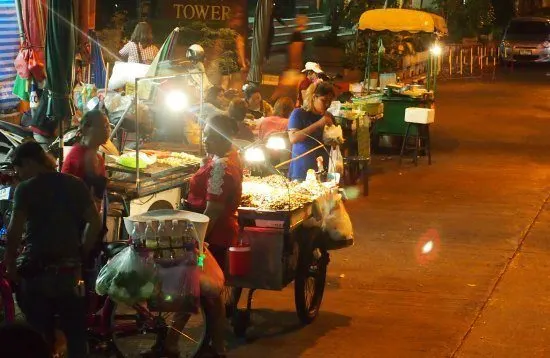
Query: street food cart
{"x": 284, "y": 226}
{"x": 156, "y": 163}
{"x": 398, "y": 97}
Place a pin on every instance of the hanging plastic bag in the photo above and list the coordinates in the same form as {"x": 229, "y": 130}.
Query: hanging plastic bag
{"x": 337, "y": 224}
{"x": 333, "y": 135}
{"x": 336, "y": 161}
{"x": 21, "y": 63}
{"x": 178, "y": 288}
{"x": 212, "y": 279}
{"x": 127, "y": 278}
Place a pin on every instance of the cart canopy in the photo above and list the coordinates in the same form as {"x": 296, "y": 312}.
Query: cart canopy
{"x": 402, "y": 20}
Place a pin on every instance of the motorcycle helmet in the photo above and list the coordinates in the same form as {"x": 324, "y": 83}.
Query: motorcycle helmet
{"x": 195, "y": 53}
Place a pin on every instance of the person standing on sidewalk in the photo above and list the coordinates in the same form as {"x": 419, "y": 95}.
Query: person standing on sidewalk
{"x": 51, "y": 208}
{"x": 297, "y": 44}
{"x": 313, "y": 72}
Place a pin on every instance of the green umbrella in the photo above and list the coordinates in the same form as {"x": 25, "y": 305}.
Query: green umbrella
{"x": 55, "y": 104}
{"x": 262, "y": 24}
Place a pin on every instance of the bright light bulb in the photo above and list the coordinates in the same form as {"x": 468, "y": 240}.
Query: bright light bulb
{"x": 254, "y": 155}
{"x": 276, "y": 143}
{"x": 436, "y": 50}
{"x": 177, "y": 101}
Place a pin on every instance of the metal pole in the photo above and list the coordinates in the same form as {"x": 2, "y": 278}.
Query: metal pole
{"x": 367, "y": 72}
{"x": 450, "y": 62}
{"x": 20, "y": 21}
{"x": 429, "y": 71}
{"x": 379, "y": 59}
{"x": 471, "y": 60}
{"x": 436, "y": 65}
{"x": 137, "y": 135}
{"x": 461, "y": 61}
{"x": 200, "y": 116}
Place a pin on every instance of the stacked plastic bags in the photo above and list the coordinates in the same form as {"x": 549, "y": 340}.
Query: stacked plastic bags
{"x": 127, "y": 278}
{"x": 166, "y": 285}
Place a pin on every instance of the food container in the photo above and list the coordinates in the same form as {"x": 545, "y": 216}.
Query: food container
{"x": 239, "y": 260}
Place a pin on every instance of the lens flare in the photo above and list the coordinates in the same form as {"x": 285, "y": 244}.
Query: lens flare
{"x": 428, "y": 247}
{"x": 276, "y": 143}
{"x": 254, "y": 155}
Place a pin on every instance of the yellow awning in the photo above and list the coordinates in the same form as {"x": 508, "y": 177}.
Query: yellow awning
{"x": 402, "y": 20}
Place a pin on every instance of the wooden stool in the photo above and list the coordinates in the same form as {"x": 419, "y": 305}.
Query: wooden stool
{"x": 420, "y": 119}
{"x": 354, "y": 167}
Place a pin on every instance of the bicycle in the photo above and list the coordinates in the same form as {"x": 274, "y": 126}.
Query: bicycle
{"x": 122, "y": 331}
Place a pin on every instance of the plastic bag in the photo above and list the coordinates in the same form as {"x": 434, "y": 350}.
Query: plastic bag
{"x": 333, "y": 134}
{"x": 212, "y": 279}
{"x": 336, "y": 161}
{"x": 337, "y": 224}
{"x": 125, "y": 72}
{"x": 127, "y": 278}
{"x": 178, "y": 288}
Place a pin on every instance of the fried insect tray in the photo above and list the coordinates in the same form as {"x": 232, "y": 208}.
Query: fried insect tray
{"x": 154, "y": 179}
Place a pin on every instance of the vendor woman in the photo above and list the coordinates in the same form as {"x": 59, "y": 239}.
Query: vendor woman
{"x": 257, "y": 107}
{"x": 306, "y": 127}
{"x": 140, "y": 48}
{"x": 215, "y": 190}
{"x": 84, "y": 161}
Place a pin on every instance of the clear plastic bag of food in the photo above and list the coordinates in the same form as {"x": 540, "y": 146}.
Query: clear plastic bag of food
{"x": 178, "y": 287}
{"x": 127, "y": 278}
{"x": 212, "y": 279}
{"x": 338, "y": 226}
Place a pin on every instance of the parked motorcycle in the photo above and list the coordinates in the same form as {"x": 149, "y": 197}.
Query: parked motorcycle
{"x": 12, "y": 135}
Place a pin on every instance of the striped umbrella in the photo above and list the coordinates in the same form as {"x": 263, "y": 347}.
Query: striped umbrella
{"x": 164, "y": 54}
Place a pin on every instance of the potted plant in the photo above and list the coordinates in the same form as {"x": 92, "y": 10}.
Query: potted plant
{"x": 354, "y": 61}
{"x": 220, "y": 50}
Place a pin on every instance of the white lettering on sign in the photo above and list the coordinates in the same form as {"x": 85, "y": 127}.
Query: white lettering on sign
{"x": 202, "y": 12}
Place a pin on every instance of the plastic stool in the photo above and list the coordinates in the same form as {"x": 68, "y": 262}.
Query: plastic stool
{"x": 419, "y": 118}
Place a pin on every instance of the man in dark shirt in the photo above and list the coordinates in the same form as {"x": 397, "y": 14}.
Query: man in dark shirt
{"x": 51, "y": 208}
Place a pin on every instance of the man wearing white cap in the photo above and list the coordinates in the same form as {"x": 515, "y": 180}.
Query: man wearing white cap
{"x": 312, "y": 71}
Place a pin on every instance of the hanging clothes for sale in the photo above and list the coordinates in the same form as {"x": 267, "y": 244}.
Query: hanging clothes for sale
{"x": 9, "y": 47}
{"x": 30, "y": 61}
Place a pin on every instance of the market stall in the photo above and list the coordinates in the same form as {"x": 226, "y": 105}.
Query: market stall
{"x": 164, "y": 151}
{"x": 384, "y": 106}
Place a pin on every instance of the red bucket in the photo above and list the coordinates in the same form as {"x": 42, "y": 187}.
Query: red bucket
{"x": 239, "y": 260}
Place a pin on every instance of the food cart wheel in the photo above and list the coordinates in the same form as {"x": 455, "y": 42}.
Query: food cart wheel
{"x": 309, "y": 283}
{"x": 136, "y": 329}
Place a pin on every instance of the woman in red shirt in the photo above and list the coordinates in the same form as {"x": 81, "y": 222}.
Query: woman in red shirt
{"x": 214, "y": 190}
{"x": 84, "y": 161}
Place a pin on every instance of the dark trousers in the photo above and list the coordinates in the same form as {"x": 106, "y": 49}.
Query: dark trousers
{"x": 46, "y": 299}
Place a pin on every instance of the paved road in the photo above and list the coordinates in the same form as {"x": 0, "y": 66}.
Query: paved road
{"x": 483, "y": 291}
